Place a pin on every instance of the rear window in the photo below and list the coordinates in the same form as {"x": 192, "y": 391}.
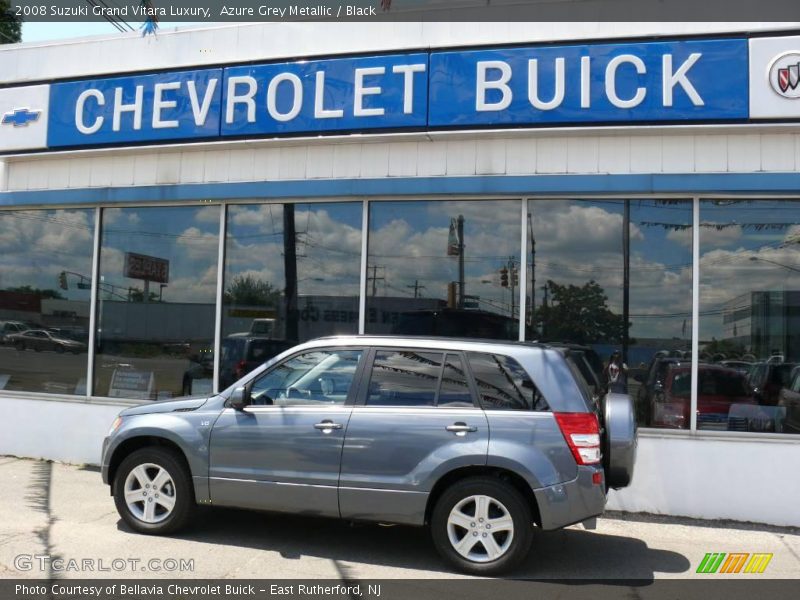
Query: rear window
{"x": 580, "y": 373}
{"x": 503, "y": 384}
{"x": 682, "y": 383}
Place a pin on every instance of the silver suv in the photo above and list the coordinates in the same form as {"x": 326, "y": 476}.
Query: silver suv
{"x": 479, "y": 440}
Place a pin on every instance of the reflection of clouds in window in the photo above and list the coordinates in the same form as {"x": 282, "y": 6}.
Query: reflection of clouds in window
{"x": 186, "y": 236}
{"x": 581, "y": 240}
{"x": 597, "y": 230}
{"x": 35, "y": 246}
{"x": 328, "y": 246}
{"x": 733, "y": 276}
{"x": 711, "y": 236}
{"x": 410, "y": 240}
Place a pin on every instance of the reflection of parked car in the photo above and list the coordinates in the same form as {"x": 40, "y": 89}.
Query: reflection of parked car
{"x": 198, "y": 378}
{"x": 478, "y": 440}
{"x": 718, "y": 389}
{"x": 39, "y": 339}
{"x": 652, "y": 383}
{"x": 767, "y": 379}
{"x": 240, "y": 355}
{"x": 8, "y": 328}
{"x": 69, "y": 332}
{"x": 789, "y": 398}
{"x": 744, "y": 367}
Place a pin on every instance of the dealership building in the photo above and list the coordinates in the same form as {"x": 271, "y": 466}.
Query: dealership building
{"x": 177, "y": 209}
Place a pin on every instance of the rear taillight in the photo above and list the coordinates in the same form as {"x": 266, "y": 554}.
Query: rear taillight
{"x": 582, "y": 432}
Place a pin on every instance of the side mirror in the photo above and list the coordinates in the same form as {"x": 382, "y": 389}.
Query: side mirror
{"x": 239, "y": 398}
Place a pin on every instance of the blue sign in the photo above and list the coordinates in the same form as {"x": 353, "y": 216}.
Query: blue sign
{"x": 140, "y": 108}
{"x": 382, "y": 92}
{"x": 656, "y": 81}
{"x": 576, "y": 84}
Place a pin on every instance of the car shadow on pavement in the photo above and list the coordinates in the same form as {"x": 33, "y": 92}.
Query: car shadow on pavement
{"x": 568, "y": 554}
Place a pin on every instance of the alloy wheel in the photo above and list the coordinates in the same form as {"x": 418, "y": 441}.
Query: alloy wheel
{"x": 150, "y": 493}
{"x": 480, "y": 528}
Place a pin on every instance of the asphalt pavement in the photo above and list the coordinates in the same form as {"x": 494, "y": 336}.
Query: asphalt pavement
{"x": 64, "y": 512}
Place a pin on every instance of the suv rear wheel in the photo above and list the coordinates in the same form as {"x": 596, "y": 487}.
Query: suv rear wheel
{"x": 482, "y": 525}
{"x": 153, "y": 491}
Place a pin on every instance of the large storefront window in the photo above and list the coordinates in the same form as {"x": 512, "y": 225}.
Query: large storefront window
{"x": 444, "y": 268}
{"x": 749, "y": 371}
{"x": 292, "y": 273}
{"x": 45, "y": 281}
{"x": 156, "y": 302}
{"x": 623, "y": 302}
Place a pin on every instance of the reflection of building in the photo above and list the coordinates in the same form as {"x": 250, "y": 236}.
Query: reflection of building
{"x": 341, "y": 227}
{"x": 764, "y": 323}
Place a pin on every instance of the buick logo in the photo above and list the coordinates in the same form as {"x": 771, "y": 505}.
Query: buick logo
{"x": 784, "y": 75}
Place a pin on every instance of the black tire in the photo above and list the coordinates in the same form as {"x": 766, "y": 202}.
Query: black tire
{"x": 175, "y": 466}
{"x": 518, "y": 509}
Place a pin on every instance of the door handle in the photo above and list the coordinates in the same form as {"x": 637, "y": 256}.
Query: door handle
{"x": 461, "y": 429}
{"x": 327, "y": 426}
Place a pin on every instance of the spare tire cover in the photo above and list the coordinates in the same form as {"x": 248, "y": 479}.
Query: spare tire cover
{"x": 620, "y": 439}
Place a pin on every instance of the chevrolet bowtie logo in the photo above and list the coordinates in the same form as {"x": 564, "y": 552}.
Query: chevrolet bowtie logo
{"x": 21, "y": 117}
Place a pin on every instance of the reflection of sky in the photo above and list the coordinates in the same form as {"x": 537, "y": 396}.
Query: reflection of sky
{"x": 186, "y": 236}
{"x": 408, "y": 243}
{"x": 735, "y": 261}
{"x": 575, "y": 241}
{"x": 36, "y": 246}
{"x": 579, "y": 241}
{"x": 328, "y": 246}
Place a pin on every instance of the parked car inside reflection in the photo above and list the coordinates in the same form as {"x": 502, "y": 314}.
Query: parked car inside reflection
{"x": 718, "y": 390}
{"x": 39, "y": 339}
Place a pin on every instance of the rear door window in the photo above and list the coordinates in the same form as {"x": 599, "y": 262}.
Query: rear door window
{"x": 503, "y": 384}
{"x": 416, "y": 378}
{"x": 454, "y": 390}
{"x": 404, "y": 378}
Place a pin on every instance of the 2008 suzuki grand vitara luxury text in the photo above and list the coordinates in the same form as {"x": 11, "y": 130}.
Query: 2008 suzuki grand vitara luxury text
{"x": 479, "y": 440}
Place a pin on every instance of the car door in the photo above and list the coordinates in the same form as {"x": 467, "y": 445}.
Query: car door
{"x": 37, "y": 340}
{"x": 282, "y": 452}
{"x": 415, "y": 419}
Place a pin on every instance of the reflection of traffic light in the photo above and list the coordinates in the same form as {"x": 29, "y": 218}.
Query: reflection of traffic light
{"x": 62, "y": 280}
{"x": 514, "y": 277}
{"x": 504, "y": 277}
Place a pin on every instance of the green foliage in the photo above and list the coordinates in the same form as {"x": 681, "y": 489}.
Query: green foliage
{"x": 44, "y": 294}
{"x": 10, "y": 25}
{"x": 137, "y": 295}
{"x": 579, "y": 315}
{"x": 246, "y": 290}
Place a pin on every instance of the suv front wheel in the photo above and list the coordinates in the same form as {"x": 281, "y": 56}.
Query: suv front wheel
{"x": 482, "y": 526}
{"x": 153, "y": 491}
